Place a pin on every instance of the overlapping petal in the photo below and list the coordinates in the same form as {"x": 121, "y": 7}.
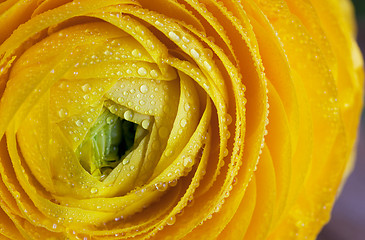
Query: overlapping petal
{"x": 175, "y": 119}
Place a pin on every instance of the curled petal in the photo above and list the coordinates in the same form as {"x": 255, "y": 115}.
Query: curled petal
{"x": 167, "y": 119}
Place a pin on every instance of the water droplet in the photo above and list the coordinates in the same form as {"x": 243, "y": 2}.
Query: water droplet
{"x": 113, "y": 109}
{"x": 229, "y": 119}
{"x": 142, "y": 71}
{"x": 207, "y": 66}
{"x": 79, "y": 123}
{"x": 125, "y": 161}
{"x": 161, "y": 187}
{"x": 109, "y": 120}
{"x": 187, "y": 107}
{"x": 62, "y": 113}
{"x": 173, "y": 183}
{"x": 174, "y": 36}
{"x": 128, "y": 115}
{"x": 86, "y": 87}
{"x": 208, "y": 52}
{"x": 143, "y": 88}
{"x": 154, "y": 73}
{"x": 93, "y": 190}
{"x": 145, "y": 123}
{"x": 158, "y": 23}
{"x": 188, "y": 162}
{"x": 228, "y": 134}
{"x": 183, "y": 122}
{"x": 163, "y": 132}
{"x": 136, "y": 53}
{"x": 185, "y": 39}
{"x": 61, "y": 85}
{"x": 150, "y": 44}
{"x": 225, "y": 152}
{"x": 171, "y": 220}
{"x": 194, "y": 53}
{"x": 226, "y": 195}
{"x": 169, "y": 152}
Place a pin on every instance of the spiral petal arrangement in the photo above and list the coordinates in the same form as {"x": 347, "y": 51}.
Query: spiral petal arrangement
{"x": 170, "y": 119}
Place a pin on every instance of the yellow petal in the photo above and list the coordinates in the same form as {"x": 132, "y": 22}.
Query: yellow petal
{"x": 240, "y": 117}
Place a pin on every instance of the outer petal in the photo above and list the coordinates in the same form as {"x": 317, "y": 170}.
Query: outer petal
{"x": 243, "y": 117}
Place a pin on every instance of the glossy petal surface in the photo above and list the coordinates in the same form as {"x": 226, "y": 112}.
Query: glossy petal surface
{"x": 164, "y": 119}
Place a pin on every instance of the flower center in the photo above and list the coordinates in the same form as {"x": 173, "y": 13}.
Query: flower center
{"x": 106, "y": 144}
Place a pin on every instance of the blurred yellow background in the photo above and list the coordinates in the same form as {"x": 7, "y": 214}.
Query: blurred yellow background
{"x": 348, "y": 215}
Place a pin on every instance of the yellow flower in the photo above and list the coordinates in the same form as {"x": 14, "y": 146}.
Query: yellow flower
{"x": 175, "y": 119}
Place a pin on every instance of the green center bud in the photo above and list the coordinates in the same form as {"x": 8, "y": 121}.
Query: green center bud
{"x": 106, "y": 144}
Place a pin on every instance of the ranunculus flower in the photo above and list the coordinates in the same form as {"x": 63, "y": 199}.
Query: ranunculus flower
{"x": 159, "y": 119}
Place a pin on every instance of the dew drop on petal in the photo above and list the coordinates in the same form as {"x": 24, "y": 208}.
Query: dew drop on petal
{"x": 171, "y": 220}
{"x": 79, "y": 123}
{"x": 229, "y": 119}
{"x": 154, "y": 73}
{"x": 113, "y": 109}
{"x": 188, "y": 162}
{"x": 161, "y": 187}
{"x": 142, "y": 71}
{"x": 109, "y": 120}
{"x": 187, "y": 107}
{"x": 86, "y": 87}
{"x": 208, "y": 53}
{"x": 125, "y": 161}
{"x": 174, "y": 36}
{"x": 207, "y": 66}
{"x": 225, "y": 153}
{"x": 185, "y": 39}
{"x": 145, "y": 123}
{"x": 183, "y": 122}
{"x": 194, "y": 53}
{"x": 143, "y": 88}
{"x": 163, "y": 132}
{"x": 136, "y": 53}
{"x": 62, "y": 113}
{"x": 128, "y": 115}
